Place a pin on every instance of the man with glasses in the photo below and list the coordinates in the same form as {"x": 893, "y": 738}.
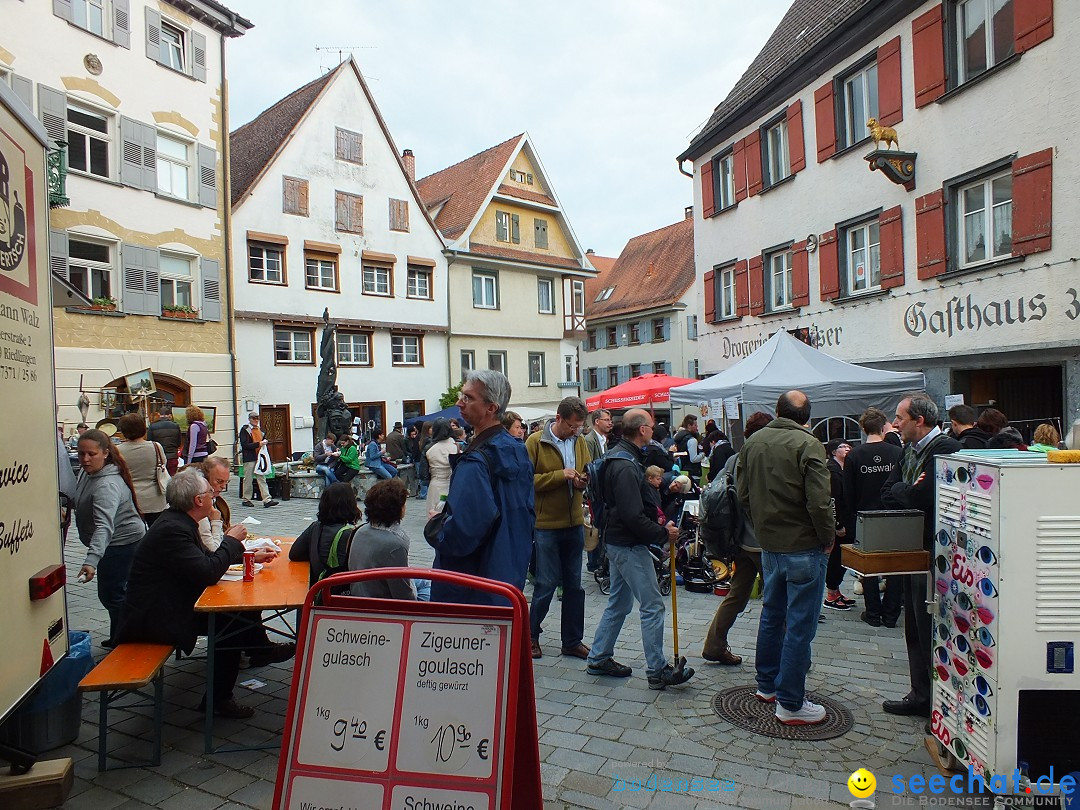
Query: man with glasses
{"x": 170, "y": 571}
{"x": 600, "y": 421}
{"x": 559, "y": 455}
{"x": 485, "y": 529}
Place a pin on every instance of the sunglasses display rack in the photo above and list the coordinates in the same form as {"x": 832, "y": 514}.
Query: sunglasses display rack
{"x": 1006, "y": 614}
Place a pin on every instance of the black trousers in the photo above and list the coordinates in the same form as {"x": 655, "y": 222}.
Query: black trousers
{"x": 834, "y": 573}
{"x": 918, "y": 628}
{"x": 887, "y": 608}
{"x": 235, "y": 632}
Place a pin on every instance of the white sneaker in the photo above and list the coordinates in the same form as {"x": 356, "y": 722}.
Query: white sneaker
{"x": 857, "y": 587}
{"x": 810, "y": 714}
{"x": 765, "y": 697}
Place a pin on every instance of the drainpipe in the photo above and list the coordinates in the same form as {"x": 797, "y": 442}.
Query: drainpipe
{"x": 227, "y": 225}
{"x": 449, "y": 322}
{"x": 679, "y": 163}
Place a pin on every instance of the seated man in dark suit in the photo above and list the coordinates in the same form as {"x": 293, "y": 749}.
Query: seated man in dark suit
{"x": 170, "y": 571}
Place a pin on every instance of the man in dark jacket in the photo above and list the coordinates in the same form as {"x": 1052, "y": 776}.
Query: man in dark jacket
{"x": 783, "y": 483}
{"x": 170, "y": 571}
{"x": 866, "y": 470}
{"x": 630, "y": 527}
{"x": 911, "y": 486}
{"x": 964, "y": 427}
{"x": 396, "y": 449}
{"x": 166, "y": 432}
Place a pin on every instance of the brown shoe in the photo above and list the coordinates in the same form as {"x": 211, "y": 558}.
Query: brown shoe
{"x": 230, "y": 708}
{"x": 726, "y": 657}
{"x": 580, "y": 651}
{"x": 536, "y": 651}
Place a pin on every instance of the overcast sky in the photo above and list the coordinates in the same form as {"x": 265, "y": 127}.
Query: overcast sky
{"x": 609, "y": 90}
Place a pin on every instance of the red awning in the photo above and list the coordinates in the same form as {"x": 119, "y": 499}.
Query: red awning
{"x": 648, "y": 389}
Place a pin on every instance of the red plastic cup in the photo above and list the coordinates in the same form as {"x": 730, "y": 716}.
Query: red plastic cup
{"x": 249, "y": 566}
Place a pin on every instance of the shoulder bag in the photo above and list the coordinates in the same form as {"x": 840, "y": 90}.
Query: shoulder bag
{"x": 161, "y": 472}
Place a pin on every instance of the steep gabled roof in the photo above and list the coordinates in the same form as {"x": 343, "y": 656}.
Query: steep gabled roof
{"x": 805, "y": 26}
{"x": 653, "y": 270}
{"x": 603, "y": 265}
{"x": 465, "y": 186}
{"x": 253, "y": 146}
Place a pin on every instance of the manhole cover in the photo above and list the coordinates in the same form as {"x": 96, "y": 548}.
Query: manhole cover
{"x": 740, "y": 708}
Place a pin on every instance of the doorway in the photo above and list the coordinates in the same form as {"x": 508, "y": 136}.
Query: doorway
{"x": 1026, "y": 395}
{"x": 277, "y": 431}
{"x": 372, "y": 415}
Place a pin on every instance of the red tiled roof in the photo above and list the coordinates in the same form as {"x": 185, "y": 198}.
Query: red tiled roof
{"x": 595, "y": 284}
{"x": 653, "y": 270}
{"x": 523, "y": 194}
{"x": 464, "y": 186}
{"x": 254, "y": 145}
{"x": 524, "y": 256}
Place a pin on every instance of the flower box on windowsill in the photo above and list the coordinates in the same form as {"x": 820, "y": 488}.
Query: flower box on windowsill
{"x": 180, "y": 314}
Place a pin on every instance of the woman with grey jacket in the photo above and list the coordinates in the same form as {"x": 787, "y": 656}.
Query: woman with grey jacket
{"x": 109, "y": 523}
{"x": 382, "y": 543}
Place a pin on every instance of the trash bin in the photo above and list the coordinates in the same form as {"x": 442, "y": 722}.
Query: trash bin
{"x": 52, "y": 715}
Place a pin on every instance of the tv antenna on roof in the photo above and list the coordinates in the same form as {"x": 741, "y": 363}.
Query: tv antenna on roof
{"x": 341, "y": 50}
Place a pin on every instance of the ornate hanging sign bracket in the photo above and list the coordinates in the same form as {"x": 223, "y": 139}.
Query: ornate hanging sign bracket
{"x": 896, "y": 165}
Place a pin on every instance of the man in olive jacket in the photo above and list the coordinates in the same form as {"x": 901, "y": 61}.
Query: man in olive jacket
{"x": 783, "y": 484}
{"x": 559, "y": 454}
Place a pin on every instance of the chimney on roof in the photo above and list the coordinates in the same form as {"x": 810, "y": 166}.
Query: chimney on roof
{"x": 590, "y": 252}
{"x": 409, "y": 160}
{"x": 689, "y": 213}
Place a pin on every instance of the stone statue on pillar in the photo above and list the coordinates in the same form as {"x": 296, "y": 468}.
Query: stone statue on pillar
{"x": 333, "y": 415}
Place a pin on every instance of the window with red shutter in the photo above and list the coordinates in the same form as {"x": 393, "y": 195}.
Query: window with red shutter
{"x": 1032, "y": 198}
{"x": 828, "y": 266}
{"x": 800, "y": 275}
{"x": 796, "y": 149}
{"x": 928, "y": 55}
{"x": 757, "y": 285}
{"x": 742, "y": 288}
{"x": 1033, "y": 22}
{"x": 708, "y": 189}
{"x": 930, "y": 235}
{"x": 709, "y": 283}
{"x": 752, "y": 152}
{"x": 825, "y": 120}
{"x": 891, "y": 230}
{"x": 740, "y": 170}
{"x": 890, "y": 109}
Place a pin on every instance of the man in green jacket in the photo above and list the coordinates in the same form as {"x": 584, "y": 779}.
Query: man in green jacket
{"x": 783, "y": 484}
{"x": 559, "y": 454}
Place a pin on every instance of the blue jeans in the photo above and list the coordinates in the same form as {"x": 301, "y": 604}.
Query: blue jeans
{"x": 112, "y": 575}
{"x": 381, "y": 470}
{"x": 558, "y": 561}
{"x": 632, "y": 577}
{"x": 791, "y": 604}
{"x": 327, "y": 474}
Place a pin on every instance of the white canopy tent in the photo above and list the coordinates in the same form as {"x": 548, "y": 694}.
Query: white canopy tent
{"x": 782, "y": 363}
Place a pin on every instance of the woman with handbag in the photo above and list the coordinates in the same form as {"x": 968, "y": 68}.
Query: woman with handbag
{"x": 146, "y": 462}
{"x": 438, "y": 458}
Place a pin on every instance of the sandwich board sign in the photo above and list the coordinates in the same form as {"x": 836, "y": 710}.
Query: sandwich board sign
{"x": 399, "y": 704}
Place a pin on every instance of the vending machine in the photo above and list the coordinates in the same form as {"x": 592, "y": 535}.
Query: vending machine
{"x": 1006, "y": 613}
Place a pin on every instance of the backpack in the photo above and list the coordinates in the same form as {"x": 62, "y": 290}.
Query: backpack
{"x": 594, "y": 491}
{"x": 720, "y": 517}
{"x": 337, "y": 560}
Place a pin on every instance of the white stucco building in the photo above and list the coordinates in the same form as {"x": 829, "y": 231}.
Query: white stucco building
{"x": 326, "y": 216}
{"x": 967, "y": 271}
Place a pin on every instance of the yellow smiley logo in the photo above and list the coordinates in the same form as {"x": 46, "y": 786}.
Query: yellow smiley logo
{"x": 861, "y": 783}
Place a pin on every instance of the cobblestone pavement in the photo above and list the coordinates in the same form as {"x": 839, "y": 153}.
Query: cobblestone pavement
{"x": 599, "y": 737}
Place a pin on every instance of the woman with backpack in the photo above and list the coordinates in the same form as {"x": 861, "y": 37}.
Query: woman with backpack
{"x": 382, "y": 543}
{"x": 337, "y": 511}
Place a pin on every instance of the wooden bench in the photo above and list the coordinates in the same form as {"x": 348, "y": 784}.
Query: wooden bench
{"x": 124, "y": 673}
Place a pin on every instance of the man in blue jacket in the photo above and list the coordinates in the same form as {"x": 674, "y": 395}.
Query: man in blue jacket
{"x": 487, "y": 530}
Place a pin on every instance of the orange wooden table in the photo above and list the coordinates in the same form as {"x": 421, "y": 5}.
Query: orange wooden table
{"x": 278, "y": 589}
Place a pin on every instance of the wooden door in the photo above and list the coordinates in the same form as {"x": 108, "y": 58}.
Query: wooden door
{"x": 277, "y": 431}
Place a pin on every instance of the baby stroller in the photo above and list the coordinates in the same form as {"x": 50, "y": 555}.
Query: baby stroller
{"x": 692, "y": 562}
{"x": 602, "y": 574}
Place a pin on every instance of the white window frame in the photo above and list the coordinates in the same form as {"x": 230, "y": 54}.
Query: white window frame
{"x": 80, "y": 16}
{"x": 178, "y": 49}
{"x": 413, "y": 286}
{"x": 725, "y": 293}
{"x": 537, "y": 373}
{"x": 168, "y": 166}
{"x": 577, "y": 292}
{"x": 774, "y": 144}
{"x": 173, "y": 280}
{"x": 314, "y": 268}
{"x": 989, "y": 215}
{"x": 109, "y": 137}
{"x": 549, "y": 285}
{"x": 871, "y": 250}
{"x": 725, "y": 180}
{"x": 499, "y": 356}
{"x": 353, "y": 348}
{"x": 570, "y": 367}
{"x": 377, "y": 279}
{"x": 405, "y": 350}
{"x": 853, "y": 128}
{"x": 488, "y": 289}
{"x": 265, "y": 268}
{"x": 108, "y": 269}
{"x": 295, "y": 351}
{"x": 467, "y": 358}
{"x": 986, "y": 7}
{"x": 778, "y": 267}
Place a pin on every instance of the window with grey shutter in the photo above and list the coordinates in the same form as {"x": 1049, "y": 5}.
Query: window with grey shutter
{"x": 121, "y": 29}
{"x": 348, "y": 145}
{"x": 58, "y": 253}
{"x": 142, "y": 295}
{"x": 24, "y": 89}
{"x": 207, "y": 176}
{"x": 501, "y": 227}
{"x": 349, "y": 212}
{"x": 667, "y": 368}
{"x": 294, "y": 196}
{"x": 52, "y": 110}
{"x": 153, "y": 35}
{"x": 198, "y": 61}
{"x": 62, "y": 9}
{"x": 667, "y": 332}
{"x": 138, "y": 166}
{"x": 622, "y": 335}
{"x": 515, "y": 229}
{"x": 540, "y": 232}
{"x": 210, "y": 270}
